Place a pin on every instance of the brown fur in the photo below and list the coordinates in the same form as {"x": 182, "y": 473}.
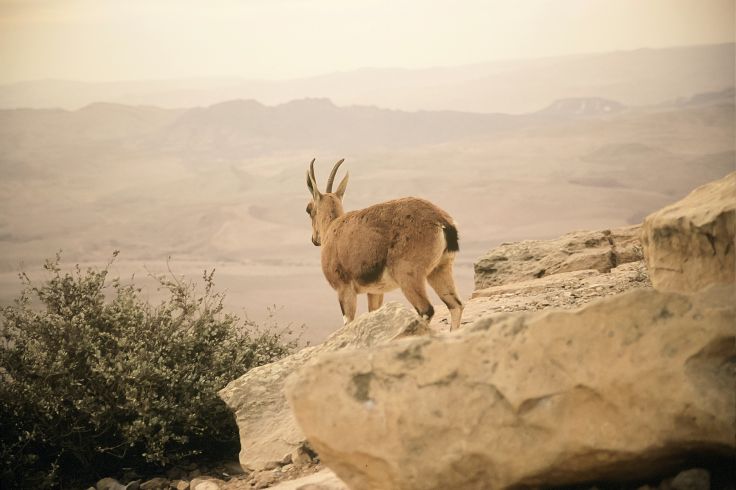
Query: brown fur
{"x": 395, "y": 244}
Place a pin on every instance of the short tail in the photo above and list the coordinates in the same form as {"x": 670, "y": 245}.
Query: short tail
{"x": 451, "y": 238}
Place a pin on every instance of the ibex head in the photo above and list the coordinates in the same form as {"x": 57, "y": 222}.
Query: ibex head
{"x": 324, "y": 208}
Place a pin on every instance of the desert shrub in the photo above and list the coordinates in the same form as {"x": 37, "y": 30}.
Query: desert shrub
{"x": 95, "y": 378}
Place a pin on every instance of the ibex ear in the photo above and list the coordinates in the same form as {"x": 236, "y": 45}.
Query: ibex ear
{"x": 341, "y": 188}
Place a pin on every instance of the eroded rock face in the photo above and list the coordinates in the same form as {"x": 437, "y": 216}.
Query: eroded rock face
{"x": 581, "y": 250}
{"x": 620, "y": 387}
{"x": 690, "y": 243}
{"x": 267, "y": 428}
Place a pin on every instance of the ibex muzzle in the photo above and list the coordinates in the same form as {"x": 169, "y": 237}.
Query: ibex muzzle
{"x": 403, "y": 243}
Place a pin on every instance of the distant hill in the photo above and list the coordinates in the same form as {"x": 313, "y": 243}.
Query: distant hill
{"x": 582, "y": 107}
{"x": 238, "y": 128}
{"x": 725, "y": 96}
{"x": 634, "y": 78}
{"x": 249, "y": 127}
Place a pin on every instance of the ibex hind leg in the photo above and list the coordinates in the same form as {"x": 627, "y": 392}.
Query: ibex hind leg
{"x": 348, "y": 303}
{"x": 374, "y": 301}
{"x": 416, "y": 292}
{"x": 443, "y": 283}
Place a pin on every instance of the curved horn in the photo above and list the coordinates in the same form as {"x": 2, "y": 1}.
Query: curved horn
{"x": 312, "y": 180}
{"x": 311, "y": 172}
{"x": 332, "y": 175}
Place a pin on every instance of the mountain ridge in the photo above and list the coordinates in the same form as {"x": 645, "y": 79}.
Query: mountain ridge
{"x": 635, "y": 77}
{"x": 240, "y": 127}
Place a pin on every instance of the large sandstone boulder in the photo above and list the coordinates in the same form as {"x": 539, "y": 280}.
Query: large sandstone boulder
{"x": 619, "y": 389}
{"x": 581, "y": 250}
{"x": 267, "y": 428}
{"x": 690, "y": 243}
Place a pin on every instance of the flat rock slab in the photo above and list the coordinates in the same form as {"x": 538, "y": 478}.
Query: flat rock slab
{"x": 580, "y": 250}
{"x": 564, "y": 290}
{"x": 620, "y": 389}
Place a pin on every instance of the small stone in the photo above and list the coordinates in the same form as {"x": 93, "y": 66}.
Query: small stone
{"x": 287, "y": 468}
{"x": 285, "y": 460}
{"x": 134, "y": 485}
{"x": 179, "y": 485}
{"x": 158, "y": 483}
{"x": 264, "y": 479}
{"x": 206, "y": 485}
{"x": 300, "y": 457}
{"x": 194, "y": 474}
{"x": 271, "y": 465}
{"x": 109, "y": 484}
{"x": 196, "y": 481}
{"x": 694, "y": 479}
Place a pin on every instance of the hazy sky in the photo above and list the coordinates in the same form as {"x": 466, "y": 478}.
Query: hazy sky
{"x": 97, "y": 40}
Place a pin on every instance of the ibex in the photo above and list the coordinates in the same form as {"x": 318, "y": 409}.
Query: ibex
{"x": 403, "y": 243}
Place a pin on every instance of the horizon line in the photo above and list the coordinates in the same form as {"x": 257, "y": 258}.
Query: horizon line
{"x": 244, "y": 78}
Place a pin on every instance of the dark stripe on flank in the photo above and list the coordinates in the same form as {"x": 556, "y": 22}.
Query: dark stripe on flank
{"x": 371, "y": 274}
{"x": 451, "y": 238}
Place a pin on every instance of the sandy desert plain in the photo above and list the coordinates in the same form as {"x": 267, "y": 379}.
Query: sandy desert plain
{"x": 223, "y": 185}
